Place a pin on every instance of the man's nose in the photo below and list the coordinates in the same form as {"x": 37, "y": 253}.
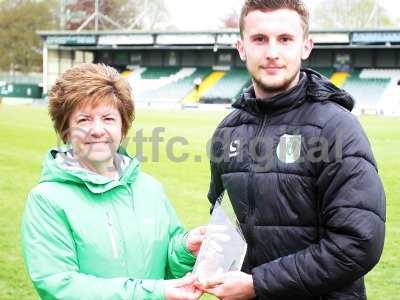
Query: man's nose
{"x": 272, "y": 50}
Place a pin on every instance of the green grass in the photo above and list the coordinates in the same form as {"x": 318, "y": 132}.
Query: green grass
{"x": 26, "y": 133}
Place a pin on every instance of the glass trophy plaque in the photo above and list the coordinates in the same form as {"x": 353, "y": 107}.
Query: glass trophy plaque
{"x": 224, "y": 247}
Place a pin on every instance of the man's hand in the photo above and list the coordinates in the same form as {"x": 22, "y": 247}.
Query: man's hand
{"x": 182, "y": 289}
{"x": 230, "y": 286}
{"x": 195, "y": 238}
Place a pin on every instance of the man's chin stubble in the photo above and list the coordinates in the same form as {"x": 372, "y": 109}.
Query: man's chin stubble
{"x": 274, "y": 89}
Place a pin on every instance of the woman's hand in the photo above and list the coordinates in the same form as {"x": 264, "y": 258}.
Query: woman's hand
{"x": 182, "y": 289}
{"x": 230, "y": 286}
{"x": 195, "y": 238}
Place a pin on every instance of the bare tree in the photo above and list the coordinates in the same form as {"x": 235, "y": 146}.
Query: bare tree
{"x": 351, "y": 14}
{"x": 130, "y": 14}
{"x": 152, "y": 15}
{"x": 20, "y": 46}
{"x": 76, "y": 12}
{"x": 231, "y": 20}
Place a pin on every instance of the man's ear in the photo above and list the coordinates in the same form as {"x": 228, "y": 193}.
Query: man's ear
{"x": 240, "y": 49}
{"x": 307, "y": 47}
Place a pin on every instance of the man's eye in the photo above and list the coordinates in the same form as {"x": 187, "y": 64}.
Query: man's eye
{"x": 285, "y": 39}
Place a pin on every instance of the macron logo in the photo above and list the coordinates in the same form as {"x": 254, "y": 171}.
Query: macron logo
{"x": 233, "y": 148}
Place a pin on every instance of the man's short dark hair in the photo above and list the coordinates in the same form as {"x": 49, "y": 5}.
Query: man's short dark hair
{"x": 271, "y": 5}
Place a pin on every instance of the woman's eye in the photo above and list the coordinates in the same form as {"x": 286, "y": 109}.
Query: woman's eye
{"x": 110, "y": 119}
{"x": 82, "y": 120}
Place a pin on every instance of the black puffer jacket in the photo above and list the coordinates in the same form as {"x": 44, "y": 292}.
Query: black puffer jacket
{"x": 313, "y": 209}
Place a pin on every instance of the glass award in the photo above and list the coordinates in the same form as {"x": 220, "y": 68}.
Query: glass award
{"x": 224, "y": 247}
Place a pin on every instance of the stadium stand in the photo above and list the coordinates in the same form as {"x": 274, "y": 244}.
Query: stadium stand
{"x": 327, "y": 72}
{"x": 374, "y": 90}
{"x": 156, "y": 73}
{"x": 164, "y": 84}
{"x": 204, "y": 86}
{"x": 228, "y": 87}
{"x": 180, "y": 88}
{"x": 389, "y": 101}
{"x": 196, "y": 68}
{"x": 339, "y": 78}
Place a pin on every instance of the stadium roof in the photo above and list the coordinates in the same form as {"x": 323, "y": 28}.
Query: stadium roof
{"x": 207, "y": 39}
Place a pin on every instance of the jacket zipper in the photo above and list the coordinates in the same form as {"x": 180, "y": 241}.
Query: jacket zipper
{"x": 139, "y": 235}
{"x": 112, "y": 236}
{"x": 258, "y": 136}
{"x": 251, "y": 220}
{"x": 129, "y": 188}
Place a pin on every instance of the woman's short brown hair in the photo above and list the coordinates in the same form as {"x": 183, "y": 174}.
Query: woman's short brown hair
{"x": 89, "y": 84}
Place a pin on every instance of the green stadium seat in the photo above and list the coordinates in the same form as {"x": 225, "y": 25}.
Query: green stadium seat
{"x": 229, "y": 87}
{"x": 367, "y": 92}
{"x": 158, "y": 72}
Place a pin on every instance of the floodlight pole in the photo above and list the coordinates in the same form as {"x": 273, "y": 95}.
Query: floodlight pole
{"x": 140, "y": 16}
{"x": 62, "y": 15}
{"x": 45, "y": 69}
{"x": 378, "y": 12}
{"x": 97, "y": 15}
{"x": 374, "y": 16}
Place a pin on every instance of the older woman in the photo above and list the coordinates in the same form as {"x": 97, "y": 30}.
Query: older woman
{"x": 96, "y": 226}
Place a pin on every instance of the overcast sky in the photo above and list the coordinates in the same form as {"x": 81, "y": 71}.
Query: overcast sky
{"x": 206, "y": 14}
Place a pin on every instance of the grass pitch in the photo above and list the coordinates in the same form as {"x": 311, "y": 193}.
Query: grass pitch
{"x": 26, "y": 133}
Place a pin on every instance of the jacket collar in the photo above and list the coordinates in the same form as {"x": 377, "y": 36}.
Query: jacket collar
{"x": 312, "y": 86}
{"x": 56, "y": 170}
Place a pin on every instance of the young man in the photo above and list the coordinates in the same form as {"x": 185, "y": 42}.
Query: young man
{"x": 298, "y": 169}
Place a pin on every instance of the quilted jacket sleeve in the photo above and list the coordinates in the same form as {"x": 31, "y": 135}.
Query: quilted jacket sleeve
{"x": 180, "y": 259}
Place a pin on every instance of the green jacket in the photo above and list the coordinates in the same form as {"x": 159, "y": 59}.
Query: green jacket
{"x": 85, "y": 236}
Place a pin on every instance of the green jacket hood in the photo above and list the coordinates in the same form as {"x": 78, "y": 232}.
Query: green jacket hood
{"x": 56, "y": 171}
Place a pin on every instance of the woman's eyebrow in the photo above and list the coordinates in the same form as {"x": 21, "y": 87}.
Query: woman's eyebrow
{"x": 109, "y": 114}
{"x": 82, "y": 115}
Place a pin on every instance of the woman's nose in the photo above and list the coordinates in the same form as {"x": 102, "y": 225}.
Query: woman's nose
{"x": 97, "y": 129}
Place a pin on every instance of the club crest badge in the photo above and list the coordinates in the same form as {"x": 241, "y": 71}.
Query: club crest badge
{"x": 289, "y": 148}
